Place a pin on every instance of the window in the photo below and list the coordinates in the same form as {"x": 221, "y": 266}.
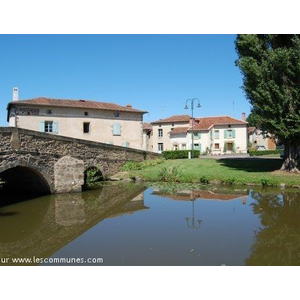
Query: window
{"x": 117, "y": 129}
{"x": 116, "y": 114}
{"x": 86, "y": 127}
{"x": 160, "y": 132}
{"x": 217, "y": 146}
{"x": 229, "y": 134}
{"x": 48, "y": 126}
{"x": 86, "y": 113}
{"x": 175, "y": 147}
{"x": 126, "y": 144}
{"x": 160, "y": 147}
{"x": 49, "y": 112}
{"x": 217, "y": 134}
{"x": 197, "y": 135}
{"x": 183, "y": 146}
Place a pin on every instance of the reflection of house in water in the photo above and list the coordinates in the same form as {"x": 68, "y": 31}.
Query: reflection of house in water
{"x": 136, "y": 204}
{"x": 188, "y": 195}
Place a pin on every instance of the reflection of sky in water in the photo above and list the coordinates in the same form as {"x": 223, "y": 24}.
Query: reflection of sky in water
{"x": 128, "y": 224}
{"x": 161, "y": 236}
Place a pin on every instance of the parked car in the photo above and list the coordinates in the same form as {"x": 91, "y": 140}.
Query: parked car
{"x": 260, "y": 148}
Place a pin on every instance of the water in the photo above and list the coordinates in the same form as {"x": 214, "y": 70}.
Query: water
{"x": 132, "y": 224}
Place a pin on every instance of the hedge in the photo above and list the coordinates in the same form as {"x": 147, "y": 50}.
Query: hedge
{"x": 177, "y": 154}
{"x": 263, "y": 152}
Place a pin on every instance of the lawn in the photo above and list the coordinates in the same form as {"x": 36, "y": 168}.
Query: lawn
{"x": 247, "y": 171}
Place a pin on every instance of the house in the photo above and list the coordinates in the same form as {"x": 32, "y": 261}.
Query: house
{"x": 89, "y": 120}
{"x": 211, "y": 135}
{"x": 261, "y": 140}
{"x": 147, "y": 137}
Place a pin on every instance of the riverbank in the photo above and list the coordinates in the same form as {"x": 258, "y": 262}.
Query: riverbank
{"x": 234, "y": 171}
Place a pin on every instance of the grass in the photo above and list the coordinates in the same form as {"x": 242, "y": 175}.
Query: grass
{"x": 238, "y": 171}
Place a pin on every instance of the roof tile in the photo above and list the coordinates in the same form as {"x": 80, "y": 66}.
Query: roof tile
{"x": 42, "y": 101}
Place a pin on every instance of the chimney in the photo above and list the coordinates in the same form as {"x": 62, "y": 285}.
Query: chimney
{"x": 15, "y": 94}
{"x": 244, "y": 116}
{"x": 129, "y": 106}
{"x": 192, "y": 122}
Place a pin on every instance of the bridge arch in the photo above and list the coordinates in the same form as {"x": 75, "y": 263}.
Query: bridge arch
{"x": 22, "y": 177}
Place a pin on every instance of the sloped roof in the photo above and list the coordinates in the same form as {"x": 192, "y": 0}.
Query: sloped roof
{"x": 42, "y": 101}
{"x": 174, "y": 119}
{"x": 179, "y": 130}
{"x": 147, "y": 126}
{"x": 207, "y": 122}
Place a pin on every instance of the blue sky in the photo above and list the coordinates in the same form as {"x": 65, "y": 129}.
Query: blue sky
{"x": 156, "y": 73}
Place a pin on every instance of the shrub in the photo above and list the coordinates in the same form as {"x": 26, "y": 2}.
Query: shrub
{"x": 263, "y": 152}
{"x": 268, "y": 182}
{"x": 169, "y": 174}
{"x": 204, "y": 179}
{"x": 93, "y": 175}
{"x": 179, "y": 154}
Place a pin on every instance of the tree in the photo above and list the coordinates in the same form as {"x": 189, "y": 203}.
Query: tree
{"x": 270, "y": 65}
{"x": 253, "y": 120}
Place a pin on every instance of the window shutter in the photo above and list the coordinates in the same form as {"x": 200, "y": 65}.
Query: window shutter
{"x": 126, "y": 144}
{"x": 233, "y": 133}
{"x": 42, "y": 126}
{"x": 200, "y": 146}
{"x": 117, "y": 129}
{"x": 199, "y": 135}
{"x": 225, "y": 134}
{"x": 55, "y": 128}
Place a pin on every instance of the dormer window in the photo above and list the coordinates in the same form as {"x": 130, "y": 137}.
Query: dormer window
{"x": 116, "y": 114}
{"x": 49, "y": 112}
{"x": 86, "y": 113}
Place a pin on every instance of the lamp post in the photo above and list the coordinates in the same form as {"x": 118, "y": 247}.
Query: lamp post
{"x": 192, "y": 108}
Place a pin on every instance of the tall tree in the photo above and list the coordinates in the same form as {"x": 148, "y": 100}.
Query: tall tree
{"x": 270, "y": 65}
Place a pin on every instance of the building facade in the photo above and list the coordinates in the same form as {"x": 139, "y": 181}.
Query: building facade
{"x": 210, "y": 135}
{"x": 260, "y": 140}
{"x": 89, "y": 120}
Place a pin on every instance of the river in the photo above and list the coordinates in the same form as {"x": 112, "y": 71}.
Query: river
{"x": 163, "y": 224}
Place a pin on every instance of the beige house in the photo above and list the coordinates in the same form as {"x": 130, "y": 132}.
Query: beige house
{"x": 211, "y": 135}
{"x": 261, "y": 140}
{"x": 89, "y": 120}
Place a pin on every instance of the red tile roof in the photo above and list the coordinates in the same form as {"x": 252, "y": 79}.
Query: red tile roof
{"x": 174, "y": 119}
{"x": 207, "y": 122}
{"x": 147, "y": 126}
{"x": 178, "y": 130}
{"x": 42, "y": 101}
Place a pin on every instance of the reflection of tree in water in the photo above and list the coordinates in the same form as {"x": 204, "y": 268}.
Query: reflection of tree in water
{"x": 278, "y": 241}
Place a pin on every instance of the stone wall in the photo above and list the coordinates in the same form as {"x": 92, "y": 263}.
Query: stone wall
{"x": 41, "y": 151}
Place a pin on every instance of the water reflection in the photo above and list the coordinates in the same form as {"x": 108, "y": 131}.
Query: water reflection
{"x": 42, "y": 226}
{"x": 129, "y": 224}
{"x": 277, "y": 242}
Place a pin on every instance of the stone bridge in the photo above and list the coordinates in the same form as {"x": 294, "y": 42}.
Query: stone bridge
{"x": 46, "y": 163}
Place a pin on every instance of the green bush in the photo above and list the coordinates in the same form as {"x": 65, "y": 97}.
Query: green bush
{"x": 169, "y": 174}
{"x": 263, "y": 152}
{"x": 93, "y": 175}
{"x": 178, "y": 154}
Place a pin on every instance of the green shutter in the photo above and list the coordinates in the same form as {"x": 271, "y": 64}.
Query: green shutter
{"x": 225, "y": 134}
{"x": 233, "y": 133}
{"x": 199, "y": 135}
{"x": 233, "y": 147}
{"x": 42, "y": 126}
{"x": 117, "y": 129}
{"x": 55, "y": 128}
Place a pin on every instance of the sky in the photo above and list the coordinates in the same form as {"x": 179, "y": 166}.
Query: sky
{"x": 156, "y": 73}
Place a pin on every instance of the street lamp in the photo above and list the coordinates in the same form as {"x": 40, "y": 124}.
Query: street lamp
{"x": 192, "y": 108}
